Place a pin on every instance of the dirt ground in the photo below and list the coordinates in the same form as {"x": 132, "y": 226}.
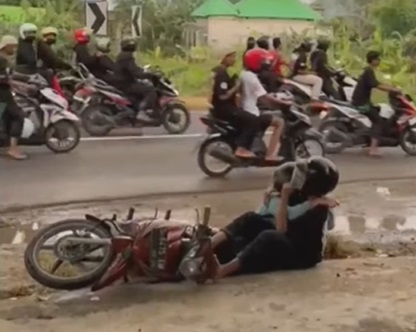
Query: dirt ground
{"x": 369, "y": 291}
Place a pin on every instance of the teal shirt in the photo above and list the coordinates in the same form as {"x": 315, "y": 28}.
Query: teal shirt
{"x": 293, "y": 212}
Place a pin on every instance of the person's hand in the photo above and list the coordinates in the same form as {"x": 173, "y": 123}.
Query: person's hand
{"x": 328, "y": 201}
{"x": 287, "y": 189}
{"x": 99, "y": 54}
{"x": 267, "y": 195}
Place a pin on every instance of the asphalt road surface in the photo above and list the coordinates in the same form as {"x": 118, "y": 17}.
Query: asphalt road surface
{"x": 122, "y": 168}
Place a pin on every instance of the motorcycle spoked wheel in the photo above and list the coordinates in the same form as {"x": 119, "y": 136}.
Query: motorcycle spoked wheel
{"x": 33, "y": 261}
{"x": 204, "y": 153}
{"x": 173, "y": 115}
{"x": 62, "y": 136}
{"x": 96, "y": 120}
{"x": 333, "y": 147}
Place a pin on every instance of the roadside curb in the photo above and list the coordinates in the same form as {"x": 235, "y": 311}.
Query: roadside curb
{"x": 104, "y": 199}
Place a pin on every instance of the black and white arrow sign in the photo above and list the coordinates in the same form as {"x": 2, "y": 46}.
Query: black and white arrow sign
{"x": 136, "y": 21}
{"x": 96, "y": 16}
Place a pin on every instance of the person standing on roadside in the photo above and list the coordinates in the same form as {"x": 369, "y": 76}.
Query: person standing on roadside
{"x": 12, "y": 114}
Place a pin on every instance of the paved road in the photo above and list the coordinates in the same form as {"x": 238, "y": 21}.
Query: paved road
{"x": 124, "y": 168}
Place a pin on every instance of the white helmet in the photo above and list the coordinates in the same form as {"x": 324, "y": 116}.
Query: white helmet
{"x": 103, "y": 44}
{"x": 27, "y": 29}
{"x": 7, "y": 40}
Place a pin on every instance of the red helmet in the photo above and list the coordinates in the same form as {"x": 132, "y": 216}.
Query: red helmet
{"x": 257, "y": 59}
{"x": 81, "y": 36}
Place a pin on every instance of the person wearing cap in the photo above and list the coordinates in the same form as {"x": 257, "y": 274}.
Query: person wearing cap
{"x": 224, "y": 104}
{"x": 361, "y": 98}
{"x": 13, "y": 115}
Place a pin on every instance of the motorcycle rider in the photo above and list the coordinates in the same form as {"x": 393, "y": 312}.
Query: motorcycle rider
{"x": 278, "y": 61}
{"x": 224, "y": 104}
{"x": 105, "y": 66}
{"x": 300, "y": 72}
{"x": 267, "y": 76}
{"x": 319, "y": 64}
{"x": 252, "y": 92}
{"x": 82, "y": 52}
{"x": 13, "y": 115}
{"x": 50, "y": 62}
{"x": 361, "y": 98}
{"x": 290, "y": 233}
{"x": 26, "y": 58}
{"x": 127, "y": 76}
{"x": 251, "y": 43}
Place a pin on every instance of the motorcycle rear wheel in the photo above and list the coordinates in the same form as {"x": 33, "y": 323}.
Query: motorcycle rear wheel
{"x": 303, "y": 149}
{"x": 96, "y": 129}
{"x": 172, "y": 110}
{"x": 33, "y": 262}
{"x": 203, "y": 153}
{"x": 338, "y": 147}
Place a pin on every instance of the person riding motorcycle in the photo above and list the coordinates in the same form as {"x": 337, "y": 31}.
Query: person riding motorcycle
{"x": 128, "y": 76}
{"x": 252, "y": 92}
{"x": 105, "y": 66}
{"x": 13, "y": 115}
{"x": 49, "y": 62}
{"x": 26, "y": 58}
{"x": 82, "y": 52}
{"x": 319, "y": 64}
{"x": 300, "y": 72}
{"x": 288, "y": 232}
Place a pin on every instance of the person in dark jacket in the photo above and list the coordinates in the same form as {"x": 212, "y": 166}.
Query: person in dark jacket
{"x": 26, "y": 59}
{"x": 13, "y": 115}
{"x": 127, "y": 75}
{"x": 319, "y": 63}
{"x": 47, "y": 56}
{"x": 106, "y": 66}
{"x": 82, "y": 52}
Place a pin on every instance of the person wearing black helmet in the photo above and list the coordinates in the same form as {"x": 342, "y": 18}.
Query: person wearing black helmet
{"x": 361, "y": 98}
{"x": 288, "y": 231}
{"x": 301, "y": 73}
{"x": 127, "y": 75}
{"x": 263, "y": 42}
{"x": 319, "y": 64}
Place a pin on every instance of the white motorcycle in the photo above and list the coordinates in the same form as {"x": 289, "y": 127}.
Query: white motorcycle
{"x": 48, "y": 121}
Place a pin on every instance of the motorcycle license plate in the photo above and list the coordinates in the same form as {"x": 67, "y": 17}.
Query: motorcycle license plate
{"x": 158, "y": 248}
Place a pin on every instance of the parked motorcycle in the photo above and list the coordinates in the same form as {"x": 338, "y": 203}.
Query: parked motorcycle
{"x": 107, "y": 251}
{"x": 345, "y": 86}
{"x": 299, "y": 140}
{"x": 48, "y": 121}
{"x": 105, "y": 107}
{"x": 345, "y": 127}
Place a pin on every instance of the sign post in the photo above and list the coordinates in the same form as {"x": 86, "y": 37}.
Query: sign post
{"x": 96, "y": 16}
{"x": 136, "y": 20}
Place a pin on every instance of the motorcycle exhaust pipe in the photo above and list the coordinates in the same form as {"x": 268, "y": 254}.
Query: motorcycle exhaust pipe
{"x": 223, "y": 156}
{"x": 80, "y": 240}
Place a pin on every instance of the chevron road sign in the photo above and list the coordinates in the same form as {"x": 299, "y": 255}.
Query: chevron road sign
{"x": 96, "y": 16}
{"x": 136, "y": 21}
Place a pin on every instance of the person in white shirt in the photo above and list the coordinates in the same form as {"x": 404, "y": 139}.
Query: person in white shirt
{"x": 252, "y": 91}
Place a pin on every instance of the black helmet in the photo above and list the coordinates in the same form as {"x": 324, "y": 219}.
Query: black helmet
{"x": 263, "y": 42}
{"x": 323, "y": 44}
{"x": 128, "y": 45}
{"x": 316, "y": 176}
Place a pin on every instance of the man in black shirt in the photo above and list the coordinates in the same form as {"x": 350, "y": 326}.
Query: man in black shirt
{"x": 223, "y": 99}
{"x": 361, "y": 98}
{"x": 319, "y": 63}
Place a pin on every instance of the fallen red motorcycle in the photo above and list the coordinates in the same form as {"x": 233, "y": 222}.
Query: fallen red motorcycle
{"x": 146, "y": 250}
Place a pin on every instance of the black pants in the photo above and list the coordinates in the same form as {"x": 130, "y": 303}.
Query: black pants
{"x": 376, "y": 121}
{"x": 329, "y": 89}
{"x": 142, "y": 95}
{"x": 247, "y": 124}
{"x": 13, "y": 118}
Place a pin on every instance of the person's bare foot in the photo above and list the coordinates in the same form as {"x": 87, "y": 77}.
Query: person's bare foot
{"x": 273, "y": 158}
{"x": 16, "y": 155}
{"x": 375, "y": 154}
{"x": 242, "y": 153}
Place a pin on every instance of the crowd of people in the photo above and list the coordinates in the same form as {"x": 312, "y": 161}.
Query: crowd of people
{"x": 262, "y": 75}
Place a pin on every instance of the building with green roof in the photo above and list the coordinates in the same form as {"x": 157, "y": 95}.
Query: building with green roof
{"x": 220, "y": 23}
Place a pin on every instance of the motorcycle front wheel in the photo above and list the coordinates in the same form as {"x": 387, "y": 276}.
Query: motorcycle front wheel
{"x": 408, "y": 141}
{"x": 62, "y": 136}
{"x": 97, "y": 120}
{"x": 211, "y": 166}
{"x": 55, "y": 264}
{"x": 309, "y": 147}
{"x": 176, "y": 119}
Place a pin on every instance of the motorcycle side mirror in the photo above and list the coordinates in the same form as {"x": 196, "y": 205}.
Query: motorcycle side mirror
{"x": 168, "y": 214}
